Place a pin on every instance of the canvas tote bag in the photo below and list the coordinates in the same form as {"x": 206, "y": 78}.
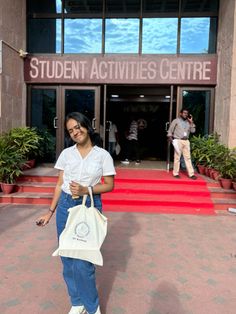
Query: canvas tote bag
{"x": 84, "y": 233}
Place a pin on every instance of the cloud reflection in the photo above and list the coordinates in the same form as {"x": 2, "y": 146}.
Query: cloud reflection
{"x": 122, "y": 35}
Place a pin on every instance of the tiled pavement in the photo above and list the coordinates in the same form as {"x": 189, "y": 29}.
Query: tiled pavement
{"x": 154, "y": 264}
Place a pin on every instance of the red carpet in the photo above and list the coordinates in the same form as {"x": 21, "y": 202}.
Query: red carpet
{"x": 156, "y": 191}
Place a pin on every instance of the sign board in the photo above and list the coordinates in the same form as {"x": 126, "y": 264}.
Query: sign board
{"x": 121, "y": 69}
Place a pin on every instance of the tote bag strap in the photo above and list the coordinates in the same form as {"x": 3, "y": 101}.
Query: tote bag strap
{"x": 91, "y": 195}
{"x": 84, "y": 199}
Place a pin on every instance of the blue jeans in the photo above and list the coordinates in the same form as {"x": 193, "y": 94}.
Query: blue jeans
{"x": 79, "y": 275}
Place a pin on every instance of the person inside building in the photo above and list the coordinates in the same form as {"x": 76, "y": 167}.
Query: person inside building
{"x": 178, "y": 133}
{"x": 80, "y": 166}
{"x": 113, "y": 138}
{"x": 131, "y": 147}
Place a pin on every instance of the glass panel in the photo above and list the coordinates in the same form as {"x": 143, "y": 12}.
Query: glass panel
{"x": 83, "y": 36}
{"x": 200, "y": 6}
{"x": 122, "y": 36}
{"x": 124, "y": 6}
{"x": 43, "y": 6}
{"x": 160, "y": 6}
{"x": 160, "y": 35}
{"x": 86, "y": 6}
{"x": 198, "y": 103}
{"x": 197, "y": 35}
{"x": 80, "y": 100}
{"x": 44, "y": 36}
{"x": 43, "y": 112}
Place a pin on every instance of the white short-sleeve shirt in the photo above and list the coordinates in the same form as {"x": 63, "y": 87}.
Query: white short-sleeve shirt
{"x": 87, "y": 171}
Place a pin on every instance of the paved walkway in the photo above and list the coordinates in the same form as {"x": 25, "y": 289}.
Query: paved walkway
{"x": 154, "y": 264}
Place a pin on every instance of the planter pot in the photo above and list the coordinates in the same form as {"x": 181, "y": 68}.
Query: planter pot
{"x": 207, "y": 172}
{"x": 211, "y": 173}
{"x": 225, "y": 183}
{"x": 29, "y": 164}
{"x": 7, "y": 188}
{"x": 234, "y": 185}
{"x": 215, "y": 175}
{"x": 201, "y": 169}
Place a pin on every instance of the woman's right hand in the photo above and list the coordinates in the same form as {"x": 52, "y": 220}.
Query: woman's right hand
{"x": 44, "y": 220}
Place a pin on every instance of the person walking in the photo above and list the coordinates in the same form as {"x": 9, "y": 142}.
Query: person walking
{"x": 178, "y": 133}
{"x": 131, "y": 149}
{"x": 80, "y": 166}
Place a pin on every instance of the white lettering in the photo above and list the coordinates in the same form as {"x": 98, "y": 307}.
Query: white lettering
{"x": 181, "y": 70}
{"x": 103, "y": 70}
{"x": 173, "y": 70}
{"x": 67, "y": 69}
{"x": 197, "y": 69}
{"x": 164, "y": 69}
{"x": 151, "y": 70}
{"x": 52, "y": 74}
{"x": 34, "y": 68}
{"x": 58, "y": 69}
{"x": 143, "y": 70}
{"x": 206, "y": 70}
{"x": 94, "y": 70}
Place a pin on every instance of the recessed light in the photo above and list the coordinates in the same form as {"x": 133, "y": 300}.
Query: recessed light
{"x": 115, "y": 96}
{"x": 141, "y": 96}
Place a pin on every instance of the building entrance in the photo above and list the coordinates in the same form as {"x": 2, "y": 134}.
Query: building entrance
{"x": 150, "y": 106}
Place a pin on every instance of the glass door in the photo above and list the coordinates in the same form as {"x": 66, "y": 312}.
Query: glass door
{"x": 83, "y": 99}
{"x": 200, "y": 103}
{"x": 48, "y": 107}
{"x": 43, "y": 102}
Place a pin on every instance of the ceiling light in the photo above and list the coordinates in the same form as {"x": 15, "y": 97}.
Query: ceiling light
{"x": 167, "y": 96}
{"x": 115, "y": 96}
{"x": 141, "y": 96}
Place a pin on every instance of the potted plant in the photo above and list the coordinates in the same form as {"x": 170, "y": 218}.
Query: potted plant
{"x": 11, "y": 162}
{"x": 47, "y": 145}
{"x": 204, "y": 151}
{"x": 227, "y": 167}
{"x": 26, "y": 141}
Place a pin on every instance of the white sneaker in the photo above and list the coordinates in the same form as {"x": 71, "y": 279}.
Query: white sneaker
{"x": 77, "y": 310}
{"x": 98, "y": 310}
{"x": 125, "y": 162}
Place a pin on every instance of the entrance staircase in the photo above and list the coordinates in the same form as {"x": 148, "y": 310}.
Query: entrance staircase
{"x": 136, "y": 190}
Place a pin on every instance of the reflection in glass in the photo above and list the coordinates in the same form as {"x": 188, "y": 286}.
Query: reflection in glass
{"x": 44, "y": 36}
{"x": 159, "y": 35}
{"x": 160, "y": 6}
{"x": 195, "y": 35}
{"x": 43, "y": 6}
{"x": 83, "y": 36}
{"x": 43, "y": 112}
{"x": 200, "y": 6}
{"x": 122, "y": 36}
{"x": 82, "y": 101}
{"x": 85, "y": 6}
{"x": 124, "y": 6}
{"x": 198, "y": 103}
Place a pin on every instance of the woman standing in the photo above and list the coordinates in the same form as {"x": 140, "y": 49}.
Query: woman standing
{"x": 80, "y": 166}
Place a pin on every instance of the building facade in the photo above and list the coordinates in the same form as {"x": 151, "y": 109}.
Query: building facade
{"x": 113, "y": 60}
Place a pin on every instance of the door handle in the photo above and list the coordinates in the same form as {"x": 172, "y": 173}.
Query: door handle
{"x": 167, "y": 126}
{"x": 55, "y": 123}
{"x": 94, "y": 123}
